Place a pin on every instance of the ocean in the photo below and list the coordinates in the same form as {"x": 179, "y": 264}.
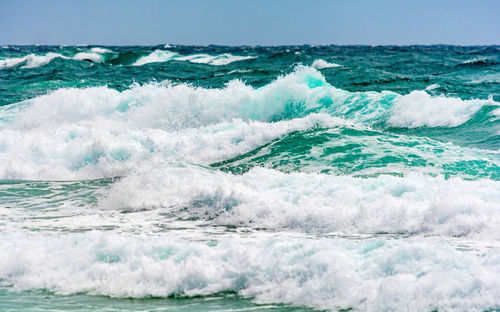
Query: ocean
{"x": 216, "y": 178}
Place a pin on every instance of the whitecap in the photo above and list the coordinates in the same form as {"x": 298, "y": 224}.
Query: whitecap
{"x": 101, "y": 132}
{"x": 95, "y": 54}
{"x": 31, "y": 60}
{"x": 316, "y": 272}
{"x": 322, "y": 64}
{"x": 222, "y": 59}
{"x": 419, "y": 109}
{"x": 156, "y": 56}
{"x": 265, "y": 198}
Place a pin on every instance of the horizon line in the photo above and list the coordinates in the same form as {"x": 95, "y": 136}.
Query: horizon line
{"x": 169, "y": 45}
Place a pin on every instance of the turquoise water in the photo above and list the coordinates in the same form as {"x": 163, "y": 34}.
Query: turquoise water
{"x": 182, "y": 178}
{"x": 44, "y": 301}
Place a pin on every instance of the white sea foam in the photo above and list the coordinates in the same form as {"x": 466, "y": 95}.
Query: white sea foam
{"x": 95, "y": 54}
{"x": 299, "y": 93}
{"x": 154, "y": 188}
{"x": 321, "y": 273}
{"x": 100, "y": 132}
{"x": 239, "y": 71}
{"x": 100, "y": 50}
{"x": 322, "y": 64}
{"x": 156, "y": 56}
{"x": 314, "y": 202}
{"x": 419, "y": 109}
{"x": 91, "y": 133}
{"x": 94, "y": 57}
{"x": 496, "y": 113}
{"x": 9, "y": 62}
{"x": 149, "y": 134}
{"x": 31, "y": 60}
{"x": 222, "y": 59}
{"x": 159, "y": 56}
{"x": 98, "y": 149}
{"x": 432, "y": 87}
{"x": 476, "y": 60}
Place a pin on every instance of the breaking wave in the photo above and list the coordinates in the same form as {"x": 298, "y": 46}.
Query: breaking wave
{"x": 100, "y": 132}
{"x": 102, "y": 55}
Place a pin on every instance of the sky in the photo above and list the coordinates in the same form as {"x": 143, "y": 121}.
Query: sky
{"x": 251, "y": 22}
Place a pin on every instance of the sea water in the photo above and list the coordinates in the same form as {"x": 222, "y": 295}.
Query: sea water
{"x": 185, "y": 178}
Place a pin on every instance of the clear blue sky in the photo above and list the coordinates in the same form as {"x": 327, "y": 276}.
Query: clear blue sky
{"x": 251, "y": 22}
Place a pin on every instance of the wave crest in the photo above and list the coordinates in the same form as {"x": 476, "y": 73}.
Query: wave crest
{"x": 367, "y": 274}
{"x": 322, "y": 64}
{"x": 90, "y": 133}
{"x": 419, "y": 109}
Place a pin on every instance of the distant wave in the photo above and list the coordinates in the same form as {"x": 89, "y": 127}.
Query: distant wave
{"x": 94, "y": 55}
{"x": 322, "y": 64}
{"x": 222, "y": 59}
{"x": 477, "y": 62}
{"x": 33, "y": 60}
{"x": 100, "y": 55}
{"x": 159, "y": 56}
{"x": 30, "y": 60}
